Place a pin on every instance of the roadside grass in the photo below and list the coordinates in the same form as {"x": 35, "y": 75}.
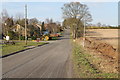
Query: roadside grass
{"x": 83, "y": 67}
{"x": 7, "y": 49}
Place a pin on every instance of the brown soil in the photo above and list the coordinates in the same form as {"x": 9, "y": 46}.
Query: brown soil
{"x": 102, "y": 44}
{"x": 105, "y": 55}
{"x": 104, "y": 48}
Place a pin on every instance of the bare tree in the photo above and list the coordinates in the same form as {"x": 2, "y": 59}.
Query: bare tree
{"x": 58, "y": 23}
{"x": 104, "y": 25}
{"x": 33, "y": 21}
{"x": 49, "y": 20}
{"x": 99, "y": 24}
{"x": 74, "y": 9}
{"x": 5, "y": 15}
{"x": 74, "y": 14}
{"x": 19, "y": 16}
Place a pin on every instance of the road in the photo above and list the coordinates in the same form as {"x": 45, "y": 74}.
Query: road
{"x": 48, "y": 61}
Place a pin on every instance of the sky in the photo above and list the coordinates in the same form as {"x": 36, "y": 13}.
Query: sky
{"x": 103, "y": 12}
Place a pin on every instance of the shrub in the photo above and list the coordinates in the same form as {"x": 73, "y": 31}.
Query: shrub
{"x": 33, "y": 37}
{"x": 13, "y": 35}
{"x": 22, "y": 37}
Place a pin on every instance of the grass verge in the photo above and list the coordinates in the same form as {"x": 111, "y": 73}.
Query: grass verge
{"x": 7, "y": 49}
{"x": 83, "y": 67}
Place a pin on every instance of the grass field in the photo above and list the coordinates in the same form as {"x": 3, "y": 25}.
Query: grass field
{"x": 109, "y": 36}
{"x": 7, "y": 49}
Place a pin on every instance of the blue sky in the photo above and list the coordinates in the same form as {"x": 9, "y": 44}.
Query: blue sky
{"x": 104, "y": 12}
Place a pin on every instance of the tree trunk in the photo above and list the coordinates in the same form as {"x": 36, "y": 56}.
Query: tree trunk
{"x": 74, "y": 34}
{"x": 19, "y": 37}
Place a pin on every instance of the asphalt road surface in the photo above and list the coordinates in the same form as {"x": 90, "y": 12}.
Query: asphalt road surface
{"x": 48, "y": 61}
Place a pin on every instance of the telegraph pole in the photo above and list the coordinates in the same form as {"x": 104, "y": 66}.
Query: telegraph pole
{"x": 84, "y": 34}
{"x": 26, "y": 24}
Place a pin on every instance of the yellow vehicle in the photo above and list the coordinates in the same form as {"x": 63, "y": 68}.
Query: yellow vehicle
{"x": 45, "y": 38}
{"x": 45, "y": 35}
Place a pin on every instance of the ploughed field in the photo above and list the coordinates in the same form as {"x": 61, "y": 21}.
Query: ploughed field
{"x": 103, "y": 44}
{"x": 109, "y": 36}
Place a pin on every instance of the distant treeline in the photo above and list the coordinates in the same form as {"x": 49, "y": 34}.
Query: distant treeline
{"x": 110, "y": 27}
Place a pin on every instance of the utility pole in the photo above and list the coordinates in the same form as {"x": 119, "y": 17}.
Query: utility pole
{"x": 26, "y": 24}
{"x": 84, "y": 34}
